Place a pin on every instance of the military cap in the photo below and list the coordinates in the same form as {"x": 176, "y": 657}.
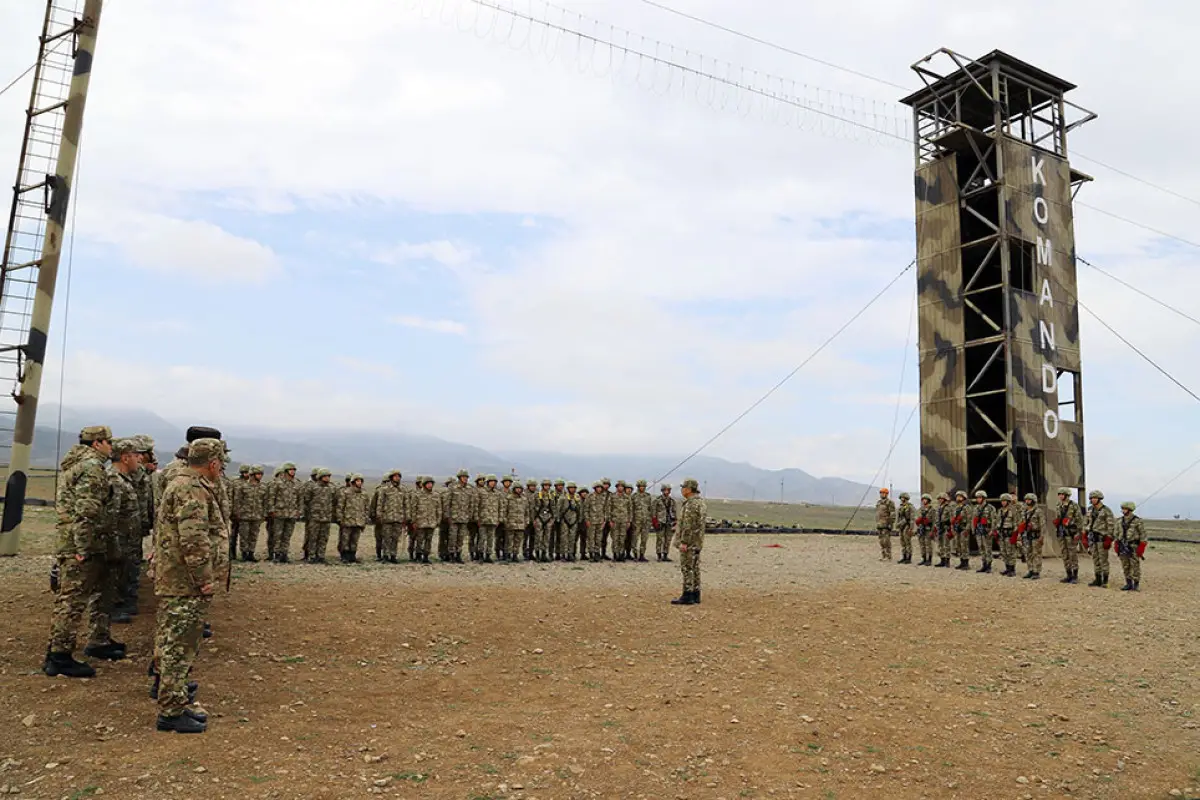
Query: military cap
{"x": 905, "y": 496}
{"x": 143, "y": 443}
{"x": 323, "y": 472}
{"x": 201, "y": 432}
{"x": 1096, "y": 493}
{"x": 927, "y": 496}
{"x": 597, "y": 484}
{"x": 943, "y": 496}
{"x": 244, "y": 469}
{"x": 981, "y": 493}
{"x": 462, "y": 473}
{"x": 206, "y": 448}
{"x": 691, "y": 483}
{"x": 641, "y": 482}
{"x": 960, "y": 493}
{"x": 531, "y": 482}
{"x": 490, "y": 478}
{"x": 507, "y": 479}
{"x": 620, "y": 483}
{"x": 95, "y": 433}
{"x": 1030, "y": 496}
{"x": 257, "y": 469}
{"x": 606, "y": 480}
{"x": 356, "y": 477}
{"x": 545, "y": 481}
{"x": 518, "y": 487}
{"x": 1006, "y": 497}
{"x": 665, "y": 486}
{"x": 122, "y": 446}
{"x": 572, "y": 485}
{"x": 285, "y": 466}
{"x": 1064, "y": 491}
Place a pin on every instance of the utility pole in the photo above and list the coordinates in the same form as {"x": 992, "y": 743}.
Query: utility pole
{"x": 53, "y": 194}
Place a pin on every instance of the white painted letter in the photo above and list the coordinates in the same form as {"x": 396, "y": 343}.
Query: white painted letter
{"x": 1041, "y": 210}
{"x": 1050, "y": 424}
{"x": 1047, "y": 335}
{"x": 1038, "y": 176}
{"x": 1047, "y": 299}
{"x": 1045, "y": 251}
{"x": 1049, "y": 379}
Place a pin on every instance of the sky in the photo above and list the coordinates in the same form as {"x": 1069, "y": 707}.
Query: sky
{"x": 416, "y": 216}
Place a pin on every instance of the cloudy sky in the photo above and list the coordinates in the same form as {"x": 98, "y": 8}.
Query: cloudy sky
{"x": 390, "y": 214}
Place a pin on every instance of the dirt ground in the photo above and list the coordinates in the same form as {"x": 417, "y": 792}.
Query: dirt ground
{"x": 811, "y": 670}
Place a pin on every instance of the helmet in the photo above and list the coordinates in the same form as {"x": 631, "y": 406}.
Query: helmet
{"x": 480, "y": 478}
{"x": 322, "y": 472}
{"x": 884, "y": 490}
{"x": 905, "y": 496}
{"x": 1030, "y": 496}
{"x": 315, "y": 472}
{"x": 1064, "y": 491}
{"x": 606, "y": 480}
{"x": 490, "y": 478}
{"x": 1128, "y": 505}
{"x": 244, "y": 469}
{"x": 691, "y": 483}
{"x": 507, "y": 479}
{"x": 665, "y": 486}
{"x": 943, "y": 496}
{"x": 531, "y": 482}
{"x": 572, "y": 485}
{"x": 1006, "y": 498}
{"x": 285, "y": 466}
{"x": 518, "y": 487}
{"x": 546, "y": 481}
{"x": 960, "y": 493}
{"x": 356, "y": 477}
{"x": 559, "y": 482}
{"x": 462, "y": 473}
{"x": 620, "y": 483}
{"x": 927, "y": 496}
{"x": 981, "y": 493}
{"x": 641, "y": 482}
{"x": 1096, "y": 494}
{"x": 597, "y": 485}
{"x": 257, "y": 469}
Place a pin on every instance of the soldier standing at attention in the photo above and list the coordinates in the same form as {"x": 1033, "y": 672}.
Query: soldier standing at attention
{"x": 593, "y": 522}
{"x": 235, "y": 506}
{"x": 581, "y": 526}
{"x": 1068, "y": 520}
{"x": 925, "y": 530}
{"x": 352, "y": 518}
{"x": 390, "y": 509}
{"x": 305, "y": 491}
{"x": 1031, "y": 529}
{"x": 142, "y": 478}
{"x": 473, "y": 549}
{"x": 284, "y": 506}
{"x": 620, "y": 514}
{"x": 543, "y": 522}
{"x": 689, "y": 535}
{"x": 642, "y": 502}
{"x": 885, "y": 519}
{"x": 1006, "y": 529}
{"x": 490, "y": 498}
{"x": 515, "y": 512}
{"x": 662, "y": 517}
{"x": 983, "y": 523}
{"x": 570, "y": 514}
{"x": 460, "y": 504}
{"x": 125, "y": 517}
{"x": 1098, "y": 536}
{"x": 84, "y": 531}
{"x": 190, "y": 520}
{"x": 531, "y": 492}
{"x": 318, "y": 515}
{"x": 502, "y": 546}
{"x": 945, "y": 532}
{"x": 905, "y": 516}
{"x": 251, "y": 500}
{"x": 606, "y": 492}
{"x": 555, "y": 553}
{"x": 427, "y": 514}
{"x": 270, "y": 519}
{"x": 960, "y": 513}
{"x": 1131, "y": 546}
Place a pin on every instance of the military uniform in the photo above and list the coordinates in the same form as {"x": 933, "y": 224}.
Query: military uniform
{"x": 926, "y": 529}
{"x": 1006, "y": 530}
{"x": 531, "y": 492}
{"x": 642, "y": 502}
{"x": 426, "y": 513}
{"x": 353, "y": 513}
{"x": 389, "y": 510}
{"x": 960, "y": 524}
{"x": 250, "y": 500}
{"x": 662, "y": 518}
{"x": 1131, "y": 546}
{"x": 489, "y": 513}
{"x": 319, "y": 502}
{"x": 1031, "y": 529}
{"x": 983, "y": 525}
{"x": 945, "y": 531}
{"x": 555, "y": 551}
{"x": 593, "y": 520}
{"x": 1068, "y": 522}
{"x": 84, "y": 539}
{"x": 125, "y": 517}
{"x": 1098, "y": 536}
{"x": 515, "y": 512}
{"x": 473, "y": 546}
{"x": 306, "y": 489}
{"x": 570, "y": 515}
{"x": 885, "y": 520}
{"x": 543, "y": 522}
{"x": 284, "y": 507}
{"x": 689, "y": 536}
{"x": 905, "y": 520}
{"x": 620, "y": 518}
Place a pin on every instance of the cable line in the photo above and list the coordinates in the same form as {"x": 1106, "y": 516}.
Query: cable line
{"x": 875, "y": 477}
{"x": 1133, "y": 288}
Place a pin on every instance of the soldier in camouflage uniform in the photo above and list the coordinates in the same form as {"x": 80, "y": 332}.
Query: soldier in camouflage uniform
{"x": 642, "y": 515}
{"x": 662, "y": 517}
{"x": 905, "y": 520}
{"x": 926, "y": 530}
{"x": 190, "y": 520}
{"x": 607, "y": 493}
{"x": 506, "y": 484}
{"x": 84, "y": 531}
{"x": 570, "y": 516}
{"x": 515, "y": 513}
{"x": 251, "y": 501}
{"x": 426, "y": 514}
{"x": 142, "y": 479}
{"x": 556, "y": 527}
{"x": 1131, "y": 546}
{"x": 543, "y": 522}
{"x": 235, "y": 488}
{"x": 123, "y": 513}
{"x": 945, "y": 532}
{"x": 885, "y": 520}
{"x": 284, "y": 507}
{"x": 314, "y": 477}
{"x": 460, "y": 505}
{"x": 983, "y": 526}
{"x": 689, "y": 536}
{"x": 1031, "y": 529}
{"x": 488, "y": 509}
{"x": 473, "y": 547}
{"x": 1006, "y": 530}
{"x": 353, "y": 513}
{"x": 531, "y": 492}
{"x": 960, "y": 523}
{"x": 1098, "y": 536}
{"x": 318, "y": 515}
{"x": 594, "y": 514}
{"x": 389, "y": 510}
{"x": 580, "y": 543}
{"x": 620, "y": 518}
{"x": 1068, "y": 521}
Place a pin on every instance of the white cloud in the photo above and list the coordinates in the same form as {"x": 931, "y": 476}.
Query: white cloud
{"x": 434, "y": 325}
{"x": 446, "y": 253}
{"x": 365, "y": 367}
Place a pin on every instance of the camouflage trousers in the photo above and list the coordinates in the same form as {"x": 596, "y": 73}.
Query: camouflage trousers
{"x": 1132, "y": 566}
{"x": 566, "y": 536}
{"x": 443, "y": 545}
{"x": 389, "y": 535}
{"x": 906, "y": 540}
{"x": 945, "y": 542}
{"x": 283, "y": 536}
{"x": 131, "y": 573}
{"x": 247, "y": 536}
{"x": 885, "y": 542}
{"x": 348, "y": 539}
{"x": 662, "y": 540}
{"x": 177, "y": 638}
{"x": 1008, "y": 549}
{"x": 640, "y": 536}
{"x": 102, "y": 601}
{"x": 457, "y": 537}
{"x": 962, "y": 544}
{"x": 422, "y": 542}
{"x": 487, "y": 540}
{"x": 689, "y": 565}
{"x": 925, "y": 543}
{"x": 1099, "y": 557}
{"x": 77, "y": 582}
{"x": 270, "y": 537}
{"x": 984, "y": 542}
{"x": 316, "y": 539}
{"x": 541, "y": 536}
{"x": 1070, "y": 551}
{"x": 581, "y": 536}
{"x": 1033, "y": 555}
{"x": 595, "y": 540}
{"x": 472, "y": 540}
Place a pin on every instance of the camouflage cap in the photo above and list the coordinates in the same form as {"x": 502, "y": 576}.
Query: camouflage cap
{"x": 905, "y": 496}
{"x": 480, "y": 478}
{"x": 1129, "y": 505}
{"x": 95, "y": 433}
{"x": 394, "y": 472}
{"x": 606, "y": 480}
{"x": 324, "y": 473}
{"x": 691, "y": 483}
{"x": 597, "y": 484}
{"x": 620, "y": 483}
{"x": 207, "y": 449}
{"x": 285, "y": 466}
{"x": 1030, "y": 496}
{"x": 462, "y": 473}
{"x": 531, "y": 482}
{"x": 1006, "y": 498}
{"x": 642, "y": 482}
{"x": 257, "y": 469}
{"x": 1064, "y": 491}
{"x": 143, "y": 443}
{"x": 943, "y": 496}
{"x": 665, "y": 486}
{"x": 122, "y": 447}
{"x": 508, "y": 478}
{"x": 927, "y": 496}
{"x": 315, "y": 471}
{"x": 244, "y": 469}
{"x": 583, "y": 490}
{"x": 545, "y": 481}
{"x": 490, "y": 478}
{"x": 518, "y": 487}
{"x": 572, "y": 485}
{"x": 357, "y": 477}
{"x": 960, "y": 493}
{"x": 559, "y": 482}
{"x": 981, "y": 493}
{"x": 1096, "y": 493}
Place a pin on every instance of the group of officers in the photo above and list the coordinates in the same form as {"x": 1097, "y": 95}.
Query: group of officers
{"x": 1014, "y": 531}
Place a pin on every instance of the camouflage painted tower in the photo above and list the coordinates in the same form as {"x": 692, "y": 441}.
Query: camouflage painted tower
{"x": 1001, "y": 376}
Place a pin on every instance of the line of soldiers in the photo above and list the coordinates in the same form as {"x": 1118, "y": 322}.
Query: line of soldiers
{"x": 1014, "y": 531}
{"x": 492, "y": 520}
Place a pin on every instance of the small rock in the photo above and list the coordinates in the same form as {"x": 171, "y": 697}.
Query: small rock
{"x": 538, "y": 651}
{"x": 201, "y": 769}
{"x": 1175, "y": 793}
{"x": 1120, "y": 765}
{"x": 1021, "y": 779}
{"x": 806, "y": 718}
{"x": 383, "y": 781}
{"x": 880, "y": 768}
{"x": 460, "y": 733}
{"x": 517, "y": 786}
{"x": 733, "y": 720}
{"x": 52, "y": 765}
{"x": 28, "y": 721}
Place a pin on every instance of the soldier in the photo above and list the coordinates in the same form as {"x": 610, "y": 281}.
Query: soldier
{"x": 593, "y": 521}
{"x": 926, "y": 530}
{"x": 319, "y": 504}
{"x": 506, "y": 484}
{"x": 1006, "y": 530}
{"x": 123, "y": 514}
{"x": 569, "y": 513}
{"x": 1099, "y": 536}
{"x": 1031, "y": 529}
{"x": 1068, "y": 520}
{"x": 642, "y": 519}
{"x": 960, "y": 512}
{"x": 689, "y": 536}
{"x": 235, "y": 488}
{"x": 983, "y": 525}
{"x": 426, "y": 513}
{"x": 314, "y": 477}
{"x": 1131, "y": 546}
{"x": 607, "y": 494}
{"x": 251, "y": 502}
{"x": 352, "y": 515}
{"x": 489, "y": 512}
{"x": 620, "y": 515}
{"x": 284, "y": 507}
{"x": 84, "y": 531}
{"x": 556, "y": 529}
{"x": 270, "y": 520}
{"x": 474, "y": 549}
{"x": 444, "y": 524}
{"x": 905, "y": 520}
{"x": 662, "y": 517}
{"x": 515, "y": 512}
{"x": 945, "y": 531}
{"x": 460, "y": 504}
{"x": 543, "y": 522}
{"x": 142, "y": 478}
{"x": 885, "y": 519}
{"x": 389, "y": 509}
{"x": 190, "y": 520}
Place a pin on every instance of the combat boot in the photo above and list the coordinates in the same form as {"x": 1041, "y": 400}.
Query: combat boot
{"x": 685, "y": 599}
{"x": 1137, "y": 586}
{"x": 667, "y": 559}
{"x": 207, "y": 634}
{"x": 249, "y": 558}
{"x": 1029, "y": 575}
{"x": 986, "y": 568}
{"x": 198, "y": 714}
{"x": 113, "y": 651}
{"x": 1095, "y": 580}
{"x": 944, "y": 561}
{"x": 1104, "y": 582}
{"x": 963, "y": 564}
{"x": 192, "y": 688}
{"x": 1066, "y": 579}
{"x": 64, "y": 664}
{"x": 1128, "y": 587}
{"x": 696, "y": 597}
{"x": 180, "y": 724}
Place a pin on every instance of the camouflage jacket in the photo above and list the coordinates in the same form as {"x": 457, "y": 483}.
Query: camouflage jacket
{"x": 593, "y": 510}
{"x": 885, "y": 514}
{"x": 642, "y": 502}
{"x": 124, "y": 511}
{"x": 1100, "y": 522}
{"x": 570, "y": 509}
{"x": 983, "y": 516}
{"x": 663, "y": 510}
{"x": 425, "y": 509}
{"x": 306, "y": 490}
{"x": 353, "y": 510}
{"x": 143, "y": 486}
{"x": 82, "y": 504}
{"x": 489, "y": 506}
{"x": 460, "y": 502}
{"x": 174, "y": 467}
{"x": 925, "y": 519}
{"x": 690, "y": 528}
{"x": 620, "y": 511}
{"x": 515, "y": 512}
{"x": 960, "y": 517}
{"x": 1070, "y": 517}
{"x": 189, "y": 522}
{"x": 318, "y": 505}
{"x": 905, "y": 516}
{"x": 283, "y": 498}
{"x": 1006, "y": 519}
{"x": 1131, "y": 530}
{"x": 543, "y": 507}
{"x": 250, "y": 500}
{"x": 477, "y": 503}
{"x": 1033, "y": 521}
{"x": 941, "y": 517}
{"x": 390, "y": 504}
